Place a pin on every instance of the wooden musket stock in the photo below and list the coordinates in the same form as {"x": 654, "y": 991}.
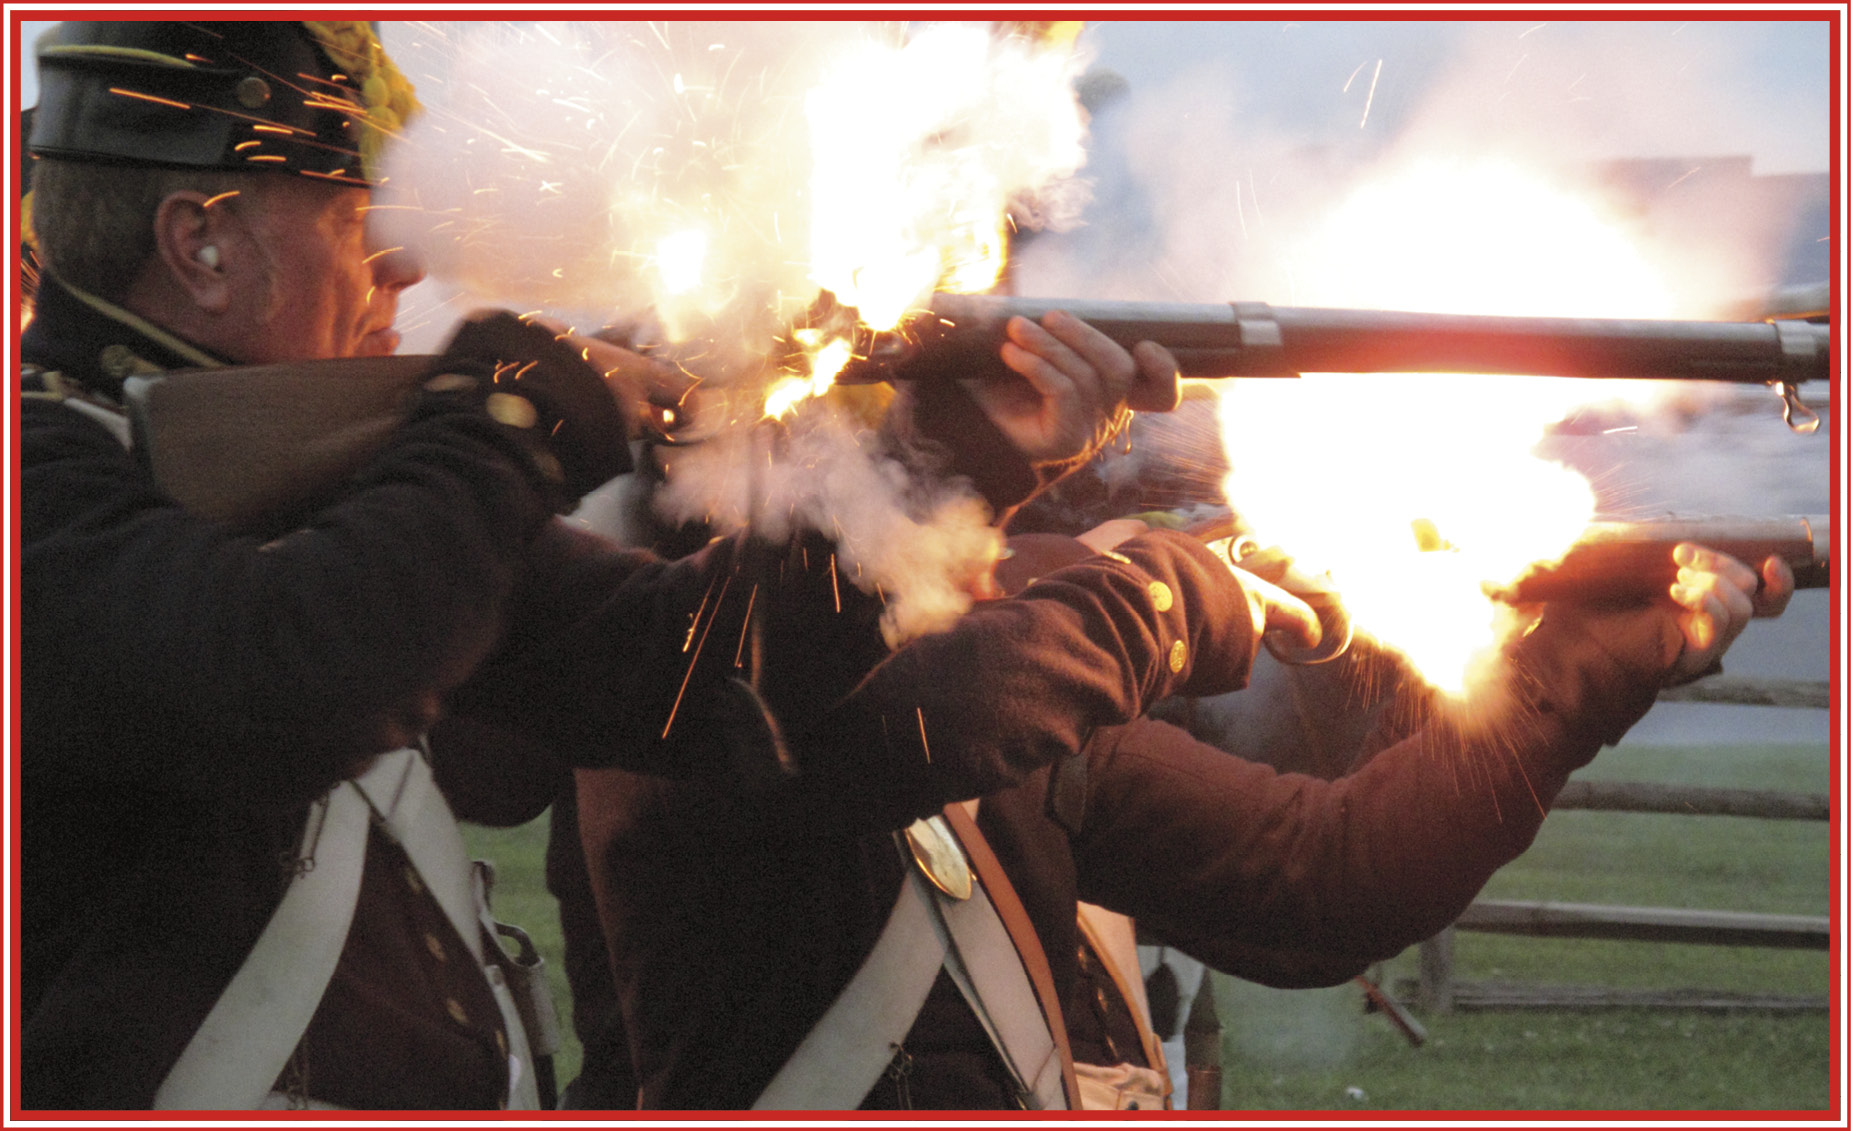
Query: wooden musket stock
{"x": 242, "y": 443}
{"x": 1633, "y": 558}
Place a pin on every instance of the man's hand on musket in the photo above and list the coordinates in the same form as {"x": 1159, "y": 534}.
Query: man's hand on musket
{"x": 659, "y": 393}
{"x": 654, "y": 391}
{"x": 1720, "y": 596}
{"x": 1273, "y": 608}
{"x": 1077, "y": 384}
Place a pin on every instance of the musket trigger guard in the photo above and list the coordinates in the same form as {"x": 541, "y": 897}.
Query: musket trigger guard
{"x": 1794, "y": 412}
{"x": 1339, "y": 632}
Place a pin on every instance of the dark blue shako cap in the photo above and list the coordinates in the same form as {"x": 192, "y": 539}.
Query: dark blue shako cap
{"x": 244, "y": 95}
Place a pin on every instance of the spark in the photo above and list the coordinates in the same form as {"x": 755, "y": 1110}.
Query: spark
{"x": 149, "y": 98}
{"x": 1370, "y": 100}
{"x": 695, "y": 658}
{"x": 745, "y": 630}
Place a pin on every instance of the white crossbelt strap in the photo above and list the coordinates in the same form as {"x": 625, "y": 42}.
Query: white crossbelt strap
{"x": 233, "y": 1060}
{"x": 981, "y": 958}
{"x": 844, "y": 1054}
{"x": 420, "y": 820}
{"x": 848, "y": 1049}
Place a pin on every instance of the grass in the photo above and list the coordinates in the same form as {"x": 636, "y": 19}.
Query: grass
{"x": 1316, "y": 1050}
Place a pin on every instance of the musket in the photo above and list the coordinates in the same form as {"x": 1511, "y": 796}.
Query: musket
{"x": 1632, "y": 558}
{"x": 1613, "y": 559}
{"x": 192, "y": 421}
{"x": 242, "y": 443}
{"x": 1255, "y": 339}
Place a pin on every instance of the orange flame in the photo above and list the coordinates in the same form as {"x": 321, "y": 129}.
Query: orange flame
{"x": 1414, "y": 492}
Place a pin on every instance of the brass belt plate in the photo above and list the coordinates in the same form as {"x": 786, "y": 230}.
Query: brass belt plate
{"x": 940, "y": 856}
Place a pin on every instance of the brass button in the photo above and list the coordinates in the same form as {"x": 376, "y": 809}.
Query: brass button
{"x": 118, "y": 360}
{"x": 450, "y": 383}
{"x": 412, "y": 881}
{"x": 435, "y": 946}
{"x": 456, "y": 1011}
{"x": 501, "y": 1042}
{"x": 1116, "y": 556}
{"x": 515, "y": 412}
{"x": 1178, "y": 654}
{"x": 1160, "y": 596}
{"x": 547, "y": 464}
{"x": 252, "y": 92}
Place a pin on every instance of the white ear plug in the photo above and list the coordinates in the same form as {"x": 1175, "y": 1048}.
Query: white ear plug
{"x": 208, "y": 255}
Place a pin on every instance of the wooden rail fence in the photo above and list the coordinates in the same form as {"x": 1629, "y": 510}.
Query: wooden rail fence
{"x": 1438, "y": 991}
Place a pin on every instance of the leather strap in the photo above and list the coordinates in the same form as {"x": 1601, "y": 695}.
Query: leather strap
{"x": 1021, "y": 932}
{"x": 1114, "y": 940}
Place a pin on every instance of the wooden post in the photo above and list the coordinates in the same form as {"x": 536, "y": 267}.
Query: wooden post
{"x": 1202, "y": 1049}
{"x": 1436, "y": 973}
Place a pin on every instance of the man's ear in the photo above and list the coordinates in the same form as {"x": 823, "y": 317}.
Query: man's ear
{"x": 190, "y": 234}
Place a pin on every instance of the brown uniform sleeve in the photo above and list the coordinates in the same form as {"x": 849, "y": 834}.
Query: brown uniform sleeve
{"x": 1018, "y": 683}
{"x": 1293, "y": 880}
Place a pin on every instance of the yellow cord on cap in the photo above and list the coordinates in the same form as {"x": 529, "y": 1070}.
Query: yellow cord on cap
{"x": 390, "y": 101}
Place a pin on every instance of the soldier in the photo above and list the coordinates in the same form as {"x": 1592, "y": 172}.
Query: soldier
{"x": 780, "y": 955}
{"x": 241, "y": 741}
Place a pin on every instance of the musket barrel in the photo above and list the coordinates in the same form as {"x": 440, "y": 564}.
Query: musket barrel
{"x": 1252, "y": 339}
{"x": 1364, "y": 341}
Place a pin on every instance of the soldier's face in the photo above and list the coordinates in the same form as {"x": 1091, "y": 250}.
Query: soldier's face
{"x": 326, "y": 291}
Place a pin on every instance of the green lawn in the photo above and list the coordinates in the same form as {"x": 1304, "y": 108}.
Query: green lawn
{"x": 1316, "y": 1050}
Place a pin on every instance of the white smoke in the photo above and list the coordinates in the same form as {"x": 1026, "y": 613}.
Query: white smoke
{"x": 920, "y": 545}
{"x": 1218, "y": 165}
{"x": 1471, "y": 168}
{"x": 679, "y": 179}
{"x": 560, "y": 165}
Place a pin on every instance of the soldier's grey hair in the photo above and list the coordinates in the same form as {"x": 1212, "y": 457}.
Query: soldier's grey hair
{"x": 94, "y": 224}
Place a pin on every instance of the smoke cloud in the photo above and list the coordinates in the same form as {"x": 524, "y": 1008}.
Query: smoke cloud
{"x": 1218, "y": 165}
{"x": 698, "y": 186}
{"x": 1516, "y": 167}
